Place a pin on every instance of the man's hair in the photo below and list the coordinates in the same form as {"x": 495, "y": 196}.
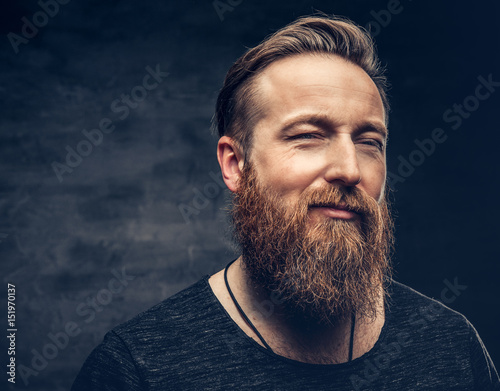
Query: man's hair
{"x": 238, "y": 109}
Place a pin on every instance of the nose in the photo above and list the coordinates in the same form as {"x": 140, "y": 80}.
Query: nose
{"x": 342, "y": 163}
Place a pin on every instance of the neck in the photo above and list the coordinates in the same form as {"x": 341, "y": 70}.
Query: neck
{"x": 292, "y": 334}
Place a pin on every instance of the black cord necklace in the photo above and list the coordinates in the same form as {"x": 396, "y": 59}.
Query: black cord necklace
{"x": 241, "y": 310}
{"x": 249, "y": 322}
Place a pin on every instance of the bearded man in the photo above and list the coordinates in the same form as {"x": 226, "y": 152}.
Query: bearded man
{"x": 310, "y": 303}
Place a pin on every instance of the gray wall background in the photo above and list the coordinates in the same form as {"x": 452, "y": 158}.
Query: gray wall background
{"x": 61, "y": 243}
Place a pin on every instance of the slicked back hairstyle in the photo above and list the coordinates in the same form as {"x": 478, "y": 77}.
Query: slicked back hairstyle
{"x": 238, "y": 106}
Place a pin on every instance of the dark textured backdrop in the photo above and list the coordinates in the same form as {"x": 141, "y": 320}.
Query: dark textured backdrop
{"x": 119, "y": 210}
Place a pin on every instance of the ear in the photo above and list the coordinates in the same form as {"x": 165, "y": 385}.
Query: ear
{"x": 231, "y": 161}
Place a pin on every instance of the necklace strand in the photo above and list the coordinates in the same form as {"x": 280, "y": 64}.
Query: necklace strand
{"x": 241, "y": 310}
{"x": 249, "y": 322}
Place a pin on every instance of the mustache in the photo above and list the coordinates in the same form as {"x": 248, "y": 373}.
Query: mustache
{"x": 339, "y": 197}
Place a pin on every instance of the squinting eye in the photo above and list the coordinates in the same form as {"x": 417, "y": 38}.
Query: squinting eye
{"x": 374, "y": 143}
{"x": 304, "y": 136}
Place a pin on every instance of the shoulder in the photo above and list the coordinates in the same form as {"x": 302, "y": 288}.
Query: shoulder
{"x": 408, "y": 301}
{"x": 155, "y": 340}
{"x": 435, "y": 326}
{"x": 426, "y": 321}
{"x": 435, "y": 333}
{"x": 195, "y": 305}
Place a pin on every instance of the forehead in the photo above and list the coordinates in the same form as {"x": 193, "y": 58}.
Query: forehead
{"x": 319, "y": 82}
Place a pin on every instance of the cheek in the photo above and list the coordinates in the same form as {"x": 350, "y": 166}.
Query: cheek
{"x": 373, "y": 180}
{"x": 289, "y": 175}
{"x": 375, "y": 190}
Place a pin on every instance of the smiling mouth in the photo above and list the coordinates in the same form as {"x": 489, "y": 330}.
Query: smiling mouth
{"x": 339, "y": 211}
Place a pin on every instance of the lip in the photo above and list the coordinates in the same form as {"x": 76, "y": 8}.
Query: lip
{"x": 336, "y": 212}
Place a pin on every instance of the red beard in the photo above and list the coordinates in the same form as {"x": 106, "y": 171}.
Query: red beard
{"x": 325, "y": 271}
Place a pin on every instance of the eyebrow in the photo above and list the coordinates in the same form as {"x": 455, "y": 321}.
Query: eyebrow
{"x": 325, "y": 122}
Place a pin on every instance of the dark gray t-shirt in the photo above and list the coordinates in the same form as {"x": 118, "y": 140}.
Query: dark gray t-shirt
{"x": 189, "y": 342}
